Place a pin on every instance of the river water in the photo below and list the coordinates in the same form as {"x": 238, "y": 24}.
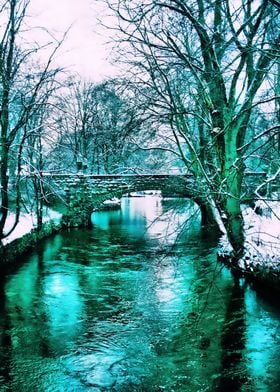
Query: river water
{"x": 136, "y": 303}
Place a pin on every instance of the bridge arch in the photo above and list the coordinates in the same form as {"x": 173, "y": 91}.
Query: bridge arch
{"x": 85, "y": 193}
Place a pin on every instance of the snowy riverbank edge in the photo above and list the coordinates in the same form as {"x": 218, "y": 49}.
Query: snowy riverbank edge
{"x": 261, "y": 262}
{"x": 25, "y": 236}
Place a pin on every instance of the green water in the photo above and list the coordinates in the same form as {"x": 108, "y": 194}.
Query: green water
{"x": 131, "y": 306}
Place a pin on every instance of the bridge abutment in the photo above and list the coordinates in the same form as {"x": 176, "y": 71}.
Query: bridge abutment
{"x": 79, "y": 202}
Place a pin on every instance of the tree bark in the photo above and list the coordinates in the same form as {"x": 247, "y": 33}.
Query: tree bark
{"x": 4, "y": 190}
{"x": 233, "y": 173}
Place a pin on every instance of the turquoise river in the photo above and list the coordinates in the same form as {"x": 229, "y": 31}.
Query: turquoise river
{"x": 137, "y": 303}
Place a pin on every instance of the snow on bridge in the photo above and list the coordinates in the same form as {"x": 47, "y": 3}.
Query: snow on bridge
{"x": 85, "y": 192}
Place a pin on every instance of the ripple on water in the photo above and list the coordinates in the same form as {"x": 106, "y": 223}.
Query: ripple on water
{"x": 119, "y": 309}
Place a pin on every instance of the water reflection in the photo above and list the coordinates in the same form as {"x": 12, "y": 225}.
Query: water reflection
{"x": 123, "y": 308}
{"x": 234, "y": 375}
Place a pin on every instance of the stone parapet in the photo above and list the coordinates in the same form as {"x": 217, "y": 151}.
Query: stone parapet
{"x": 84, "y": 193}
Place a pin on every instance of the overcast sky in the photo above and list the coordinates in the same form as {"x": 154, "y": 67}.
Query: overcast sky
{"x": 85, "y": 50}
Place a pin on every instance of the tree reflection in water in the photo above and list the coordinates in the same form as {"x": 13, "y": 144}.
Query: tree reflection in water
{"x": 234, "y": 372}
{"x": 108, "y": 310}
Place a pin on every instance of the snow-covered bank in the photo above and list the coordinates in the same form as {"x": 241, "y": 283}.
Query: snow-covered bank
{"x": 263, "y": 235}
{"x": 262, "y": 245}
{"x": 25, "y": 235}
{"x": 27, "y": 222}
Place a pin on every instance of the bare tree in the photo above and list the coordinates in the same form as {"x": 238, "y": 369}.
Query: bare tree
{"x": 208, "y": 64}
{"x": 93, "y": 122}
{"x": 21, "y": 89}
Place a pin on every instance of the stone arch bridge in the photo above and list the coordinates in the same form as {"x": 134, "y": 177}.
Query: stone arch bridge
{"x": 83, "y": 193}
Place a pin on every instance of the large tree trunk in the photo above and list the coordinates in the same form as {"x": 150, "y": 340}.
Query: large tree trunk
{"x": 233, "y": 173}
{"x": 235, "y": 227}
{"x": 4, "y": 181}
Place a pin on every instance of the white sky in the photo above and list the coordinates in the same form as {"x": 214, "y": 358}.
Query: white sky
{"x": 85, "y": 50}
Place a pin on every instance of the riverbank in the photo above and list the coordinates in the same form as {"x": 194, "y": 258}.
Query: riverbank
{"x": 261, "y": 262}
{"x": 26, "y": 236}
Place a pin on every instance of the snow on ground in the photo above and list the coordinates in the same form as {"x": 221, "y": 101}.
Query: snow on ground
{"x": 27, "y": 222}
{"x": 263, "y": 234}
{"x": 262, "y": 230}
